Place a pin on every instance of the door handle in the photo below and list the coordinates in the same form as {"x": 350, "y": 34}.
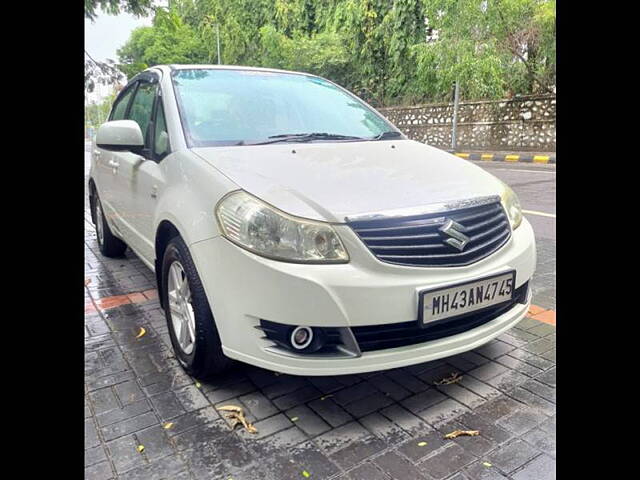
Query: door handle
{"x": 114, "y": 166}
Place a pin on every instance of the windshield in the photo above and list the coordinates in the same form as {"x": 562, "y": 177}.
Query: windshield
{"x": 235, "y": 107}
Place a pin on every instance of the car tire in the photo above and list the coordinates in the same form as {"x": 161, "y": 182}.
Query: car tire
{"x": 110, "y": 245}
{"x": 192, "y": 328}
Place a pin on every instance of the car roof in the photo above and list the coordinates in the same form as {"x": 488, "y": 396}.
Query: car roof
{"x": 225, "y": 67}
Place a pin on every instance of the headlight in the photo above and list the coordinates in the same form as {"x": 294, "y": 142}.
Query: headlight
{"x": 512, "y": 206}
{"x": 264, "y": 230}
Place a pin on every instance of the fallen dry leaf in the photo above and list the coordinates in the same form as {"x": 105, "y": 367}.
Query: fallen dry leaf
{"x": 422, "y": 444}
{"x": 326, "y": 396}
{"x": 141, "y": 333}
{"x": 295, "y": 419}
{"x": 198, "y": 385}
{"x": 230, "y": 408}
{"x": 457, "y": 433}
{"x": 306, "y": 474}
{"x": 167, "y": 425}
{"x": 454, "y": 378}
{"x": 487, "y": 464}
{"x": 87, "y": 282}
{"x": 140, "y": 448}
{"x": 236, "y": 415}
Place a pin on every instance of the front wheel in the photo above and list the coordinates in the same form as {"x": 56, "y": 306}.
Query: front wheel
{"x": 192, "y": 328}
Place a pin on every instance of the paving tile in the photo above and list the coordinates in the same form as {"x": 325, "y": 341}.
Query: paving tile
{"x": 200, "y": 436}
{"x": 398, "y": 467}
{"x": 522, "y": 420}
{"x": 354, "y": 393}
{"x": 94, "y": 455}
{"x": 422, "y": 446}
{"x": 512, "y": 455}
{"x": 446, "y": 462}
{"x": 548, "y": 377}
{"x": 367, "y": 471}
{"x": 479, "y": 471}
{"x": 540, "y": 468}
{"x": 191, "y": 398}
{"x": 540, "y": 389}
{"x": 90, "y": 434}
{"x": 390, "y": 388}
{"x": 461, "y": 394}
{"x": 305, "y": 457}
{"x": 533, "y": 400}
{"x": 330, "y": 412}
{"x": 305, "y": 419}
{"x": 103, "y": 400}
{"x": 165, "y": 468}
{"x": 488, "y": 371}
{"x": 442, "y": 412}
{"x": 155, "y": 441}
{"x": 384, "y": 428}
{"x": 490, "y": 431}
{"x": 494, "y": 349}
{"x": 370, "y": 404}
{"x": 259, "y": 405}
{"x": 268, "y": 426}
{"x": 409, "y": 422}
{"x": 406, "y": 380}
{"x": 358, "y": 451}
{"x": 297, "y": 397}
{"x": 128, "y": 426}
{"x": 420, "y": 401}
{"x": 541, "y": 440}
{"x": 167, "y": 405}
{"x": 124, "y": 455}
{"x": 119, "y": 414}
{"x": 99, "y": 471}
{"x": 340, "y": 437}
{"x": 508, "y": 380}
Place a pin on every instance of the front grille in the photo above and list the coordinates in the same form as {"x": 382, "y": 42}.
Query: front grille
{"x": 417, "y": 240}
{"x": 394, "y": 335}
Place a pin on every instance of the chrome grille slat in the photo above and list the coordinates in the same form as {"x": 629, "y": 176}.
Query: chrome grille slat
{"x": 416, "y": 240}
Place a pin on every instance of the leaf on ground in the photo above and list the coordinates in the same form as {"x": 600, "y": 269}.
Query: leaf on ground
{"x": 458, "y": 433}
{"x": 236, "y": 416}
{"x": 306, "y": 474}
{"x": 455, "y": 377}
{"x": 198, "y": 385}
{"x": 140, "y": 448}
{"x": 295, "y": 419}
{"x": 230, "y": 408}
{"x": 167, "y": 425}
{"x": 422, "y": 444}
{"x": 326, "y": 396}
{"x": 487, "y": 464}
{"x": 87, "y": 282}
{"x": 141, "y": 333}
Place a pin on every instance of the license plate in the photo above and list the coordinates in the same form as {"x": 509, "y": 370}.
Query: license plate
{"x": 459, "y": 299}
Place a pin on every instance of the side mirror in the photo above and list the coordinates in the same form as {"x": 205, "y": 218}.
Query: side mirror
{"x": 120, "y": 135}
{"x": 162, "y": 143}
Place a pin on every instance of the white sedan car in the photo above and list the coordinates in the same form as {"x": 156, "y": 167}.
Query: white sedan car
{"x": 292, "y": 227}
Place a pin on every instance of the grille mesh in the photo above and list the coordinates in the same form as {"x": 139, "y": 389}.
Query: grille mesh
{"x": 418, "y": 241}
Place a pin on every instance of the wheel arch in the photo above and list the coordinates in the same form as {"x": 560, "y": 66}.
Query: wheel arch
{"x": 164, "y": 233}
{"x": 92, "y": 199}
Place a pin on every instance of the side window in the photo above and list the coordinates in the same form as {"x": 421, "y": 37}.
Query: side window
{"x": 160, "y": 135}
{"x": 120, "y": 107}
{"x": 141, "y": 108}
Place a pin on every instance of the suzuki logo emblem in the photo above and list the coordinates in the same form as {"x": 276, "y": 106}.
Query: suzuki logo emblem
{"x": 456, "y": 238}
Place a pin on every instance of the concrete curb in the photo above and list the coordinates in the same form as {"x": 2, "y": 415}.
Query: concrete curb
{"x": 501, "y": 157}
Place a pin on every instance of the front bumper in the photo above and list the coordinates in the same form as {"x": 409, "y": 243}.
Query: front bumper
{"x": 243, "y": 288}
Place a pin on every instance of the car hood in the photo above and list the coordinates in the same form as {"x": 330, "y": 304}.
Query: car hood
{"x": 333, "y": 180}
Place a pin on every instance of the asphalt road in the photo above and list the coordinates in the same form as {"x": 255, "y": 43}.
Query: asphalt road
{"x": 535, "y": 185}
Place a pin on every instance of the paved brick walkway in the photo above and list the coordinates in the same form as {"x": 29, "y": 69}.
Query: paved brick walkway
{"x": 381, "y": 425}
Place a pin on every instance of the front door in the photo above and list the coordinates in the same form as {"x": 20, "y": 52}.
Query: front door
{"x": 128, "y": 165}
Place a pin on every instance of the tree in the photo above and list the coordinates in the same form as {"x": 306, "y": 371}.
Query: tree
{"x": 114, "y": 7}
{"x": 388, "y": 51}
{"x": 169, "y": 40}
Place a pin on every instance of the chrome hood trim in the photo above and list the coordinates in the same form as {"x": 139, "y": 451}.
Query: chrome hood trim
{"x": 424, "y": 209}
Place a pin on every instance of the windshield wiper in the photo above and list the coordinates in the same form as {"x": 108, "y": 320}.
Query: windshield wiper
{"x": 305, "y": 137}
{"x": 386, "y": 135}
